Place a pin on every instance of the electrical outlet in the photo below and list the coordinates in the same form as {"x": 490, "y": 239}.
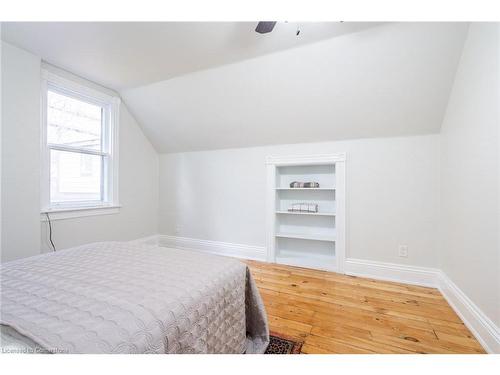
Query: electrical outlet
{"x": 177, "y": 229}
{"x": 403, "y": 251}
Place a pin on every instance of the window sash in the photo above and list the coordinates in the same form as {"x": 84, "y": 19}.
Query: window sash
{"x": 104, "y": 183}
{"x": 75, "y": 94}
{"x": 55, "y": 146}
{"x": 105, "y": 114}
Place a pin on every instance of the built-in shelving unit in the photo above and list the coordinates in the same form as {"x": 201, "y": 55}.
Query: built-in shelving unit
{"x": 307, "y": 239}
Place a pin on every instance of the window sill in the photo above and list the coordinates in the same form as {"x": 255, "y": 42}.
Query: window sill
{"x": 74, "y": 212}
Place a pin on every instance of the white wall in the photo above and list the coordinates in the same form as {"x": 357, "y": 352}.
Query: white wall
{"x": 392, "y": 195}
{"x": 23, "y": 234}
{"x": 20, "y": 153}
{"x": 138, "y": 216}
{"x": 470, "y": 248}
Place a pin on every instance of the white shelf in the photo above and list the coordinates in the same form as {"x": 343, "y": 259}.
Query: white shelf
{"x": 313, "y": 237}
{"x": 305, "y": 213}
{"x": 313, "y": 189}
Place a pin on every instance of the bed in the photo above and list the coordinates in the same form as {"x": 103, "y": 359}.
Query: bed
{"x": 124, "y": 297}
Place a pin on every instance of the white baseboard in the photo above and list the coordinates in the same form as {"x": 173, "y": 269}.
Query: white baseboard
{"x": 485, "y": 331}
{"x": 392, "y": 272}
{"x": 150, "y": 240}
{"x": 214, "y": 247}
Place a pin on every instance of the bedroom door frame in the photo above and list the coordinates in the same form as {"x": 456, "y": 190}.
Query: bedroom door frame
{"x": 337, "y": 159}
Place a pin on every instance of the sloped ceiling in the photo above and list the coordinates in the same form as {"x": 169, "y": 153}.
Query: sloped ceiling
{"x": 391, "y": 80}
{"x": 123, "y": 55}
{"x": 200, "y": 86}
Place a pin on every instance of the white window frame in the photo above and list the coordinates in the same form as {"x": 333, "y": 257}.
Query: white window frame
{"x": 111, "y": 106}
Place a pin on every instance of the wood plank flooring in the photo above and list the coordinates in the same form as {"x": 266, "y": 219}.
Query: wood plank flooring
{"x": 333, "y": 313}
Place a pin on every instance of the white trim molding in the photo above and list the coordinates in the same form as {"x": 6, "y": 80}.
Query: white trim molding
{"x": 485, "y": 331}
{"x": 336, "y": 263}
{"x": 213, "y": 247}
{"x": 153, "y": 240}
{"x": 77, "y": 85}
{"x": 279, "y": 160}
{"x": 399, "y": 273}
{"x": 108, "y": 153}
{"x": 71, "y": 213}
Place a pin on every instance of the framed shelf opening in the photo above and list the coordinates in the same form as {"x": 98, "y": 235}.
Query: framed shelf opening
{"x": 303, "y": 238}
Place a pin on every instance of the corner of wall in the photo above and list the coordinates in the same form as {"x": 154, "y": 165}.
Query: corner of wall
{"x": 467, "y": 249}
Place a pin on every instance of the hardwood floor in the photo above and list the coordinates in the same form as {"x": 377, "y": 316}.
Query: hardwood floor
{"x": 332, "y": 313}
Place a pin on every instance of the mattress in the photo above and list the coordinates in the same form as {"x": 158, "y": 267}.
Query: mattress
{"x": 122, "y": 297}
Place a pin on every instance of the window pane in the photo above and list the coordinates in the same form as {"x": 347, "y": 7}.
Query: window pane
{"x": 72, "y": 122}
{"x": 75, "y": 177}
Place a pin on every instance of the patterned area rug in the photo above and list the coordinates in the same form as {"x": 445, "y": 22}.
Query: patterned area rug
{"x": 279, "y": 344}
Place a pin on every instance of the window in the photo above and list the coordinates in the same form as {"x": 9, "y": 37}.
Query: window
{"x": 79, "y": 148}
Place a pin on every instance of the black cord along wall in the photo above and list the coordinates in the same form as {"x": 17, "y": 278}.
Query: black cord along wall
{"x": 50, "y": 232}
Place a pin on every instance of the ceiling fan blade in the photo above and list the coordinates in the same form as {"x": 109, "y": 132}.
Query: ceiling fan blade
{"x": 265, "y": 27}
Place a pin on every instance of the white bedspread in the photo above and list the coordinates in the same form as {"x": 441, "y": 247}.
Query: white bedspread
{"x": 119, "y": 297}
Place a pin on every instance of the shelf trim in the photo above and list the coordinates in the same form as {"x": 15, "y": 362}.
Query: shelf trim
{"x": 302, "y": 189}
{"x": 279, "y": 212}
{"x": 323, "y": 262}
{"x": 287, "y": 160}
{"x": 309, "y": 237}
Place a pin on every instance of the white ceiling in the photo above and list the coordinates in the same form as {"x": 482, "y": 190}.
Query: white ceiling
{"x": 390, "y": 80}
{"x": 130, "y": 54}
{"x": 199, "y": 86}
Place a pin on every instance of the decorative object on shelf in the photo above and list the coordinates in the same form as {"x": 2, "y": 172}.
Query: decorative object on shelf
{"x": 311, "y": 185}
{"x": 303, "y": 207}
